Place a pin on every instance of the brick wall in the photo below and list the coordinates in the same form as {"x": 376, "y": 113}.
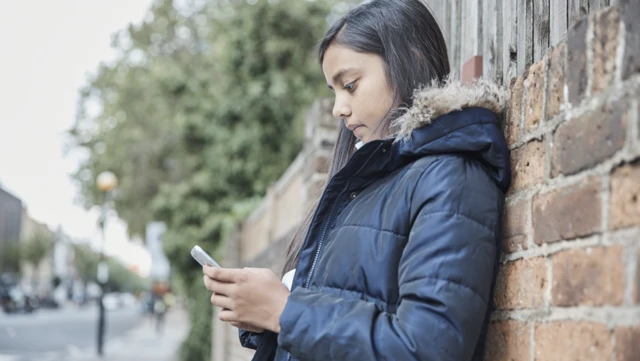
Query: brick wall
{"x": 568, "y": 287}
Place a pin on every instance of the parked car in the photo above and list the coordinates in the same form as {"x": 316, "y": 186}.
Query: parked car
{"x": 49, "y": 302}
{"x": 15, "y": 300}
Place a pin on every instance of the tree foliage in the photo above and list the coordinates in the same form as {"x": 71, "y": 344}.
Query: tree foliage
{"x": 10, "y": 257}
{"x": 121, "y": 279}
{"x": 34, "y": 250}
{"x": 205, "y": 103}
{"x": 85, "y": 262}
{"x": 199, "y": 114}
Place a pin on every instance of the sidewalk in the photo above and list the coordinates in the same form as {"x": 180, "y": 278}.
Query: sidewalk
{"x": 143, "y": 344}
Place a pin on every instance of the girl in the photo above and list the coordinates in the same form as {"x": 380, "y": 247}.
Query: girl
{"x": 400, "y": 256}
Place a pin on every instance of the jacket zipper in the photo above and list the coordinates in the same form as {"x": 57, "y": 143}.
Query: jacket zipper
{"x": 324, "y": 230}
{"x": 317, "y": 251}
{"x": 324, "y": 233}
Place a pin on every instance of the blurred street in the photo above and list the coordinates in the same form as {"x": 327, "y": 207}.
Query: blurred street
{"x": 70, "y": 334}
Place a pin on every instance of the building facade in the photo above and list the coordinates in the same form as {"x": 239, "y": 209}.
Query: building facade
{"x": 10, "y": 218}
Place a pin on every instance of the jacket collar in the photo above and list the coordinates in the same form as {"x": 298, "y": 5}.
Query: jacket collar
{"x": 449, "y": 119}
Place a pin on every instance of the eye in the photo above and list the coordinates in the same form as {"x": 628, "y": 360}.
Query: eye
{"x": 350, "y": 86}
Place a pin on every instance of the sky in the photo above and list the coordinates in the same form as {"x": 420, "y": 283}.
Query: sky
{"x": 48, "y": 49}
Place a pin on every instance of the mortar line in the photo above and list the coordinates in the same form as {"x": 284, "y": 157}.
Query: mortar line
{"x": 529, "y": 219}
{"x": 548, "y": 152}
{"x": 612, "y": 316}
{"x": 605, "y": 197}
{"x": 604, "y": 167}
{"x": 631, "y": 262}
{"x": 628, "y": 87}
{"x": 545, "y": 87}
{"x": 532, "y": 340}
{"x": 625, "y": 237}
{"x": 521, "y": 111}
{"x": 547, "y": 291}
{"x": 548, "y": 249}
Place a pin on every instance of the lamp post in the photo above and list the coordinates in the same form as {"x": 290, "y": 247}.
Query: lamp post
{"x": 106, "y": 182}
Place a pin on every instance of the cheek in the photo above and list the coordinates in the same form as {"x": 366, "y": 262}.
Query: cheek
{"x": 378, "y": 110}
{"x": 375, "y": 107}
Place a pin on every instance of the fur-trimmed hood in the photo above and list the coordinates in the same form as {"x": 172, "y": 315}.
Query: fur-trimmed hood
{"x": 436, "y": 100}
{"x": 455, "y": 119}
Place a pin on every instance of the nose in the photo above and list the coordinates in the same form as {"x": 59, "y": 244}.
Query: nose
{"x": 341, "y": 110}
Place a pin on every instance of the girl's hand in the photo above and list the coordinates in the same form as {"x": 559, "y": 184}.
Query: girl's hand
{"x": 247, "y": 327}
{"x": 253, "y": 298}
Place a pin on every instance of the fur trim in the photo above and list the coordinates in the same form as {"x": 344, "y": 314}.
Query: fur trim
{"x": 436, "y": 100}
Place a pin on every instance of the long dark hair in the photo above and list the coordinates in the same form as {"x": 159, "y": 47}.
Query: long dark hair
{"x": 407, "y": 37}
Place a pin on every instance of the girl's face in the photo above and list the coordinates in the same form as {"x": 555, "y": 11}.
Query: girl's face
{"x": 363, "y": 95}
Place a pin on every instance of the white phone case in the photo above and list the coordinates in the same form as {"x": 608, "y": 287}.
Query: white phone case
{"x": 202, "y": 257}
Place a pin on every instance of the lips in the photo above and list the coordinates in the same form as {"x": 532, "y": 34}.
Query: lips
{"x": 354, "y": 127}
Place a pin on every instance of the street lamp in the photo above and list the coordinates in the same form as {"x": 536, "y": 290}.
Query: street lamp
{"x": 106, "y": 182}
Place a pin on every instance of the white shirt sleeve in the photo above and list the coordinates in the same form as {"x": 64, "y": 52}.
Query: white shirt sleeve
{"x": 288, "y": 278}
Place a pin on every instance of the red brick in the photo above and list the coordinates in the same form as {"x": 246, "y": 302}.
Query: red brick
{"x": 631, "y": 61}
{"x": 472, "y": 69}
{"x": 513, "y": 125}
{"x": 624, "y": 207}
{"x": 566, "y": 213}
{"x": 573, "y": 341}
{"x": 589, "y": 139}
{"x": 527, "y": 165}
{"x": 521, "y": 284}
{"x": 605, "y": 45}
{"x": 588, "y": 277}
{"x": 627, "y": 343}
{"x": 534, "y": 95}
{"x": 508, "y": 341}
{"x": 514, "y": 236}
{"x": 555, "y": 80}
{"x": 577, "y": 61}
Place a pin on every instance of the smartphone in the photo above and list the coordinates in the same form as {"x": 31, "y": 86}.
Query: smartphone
{"x": 202, "y": 257}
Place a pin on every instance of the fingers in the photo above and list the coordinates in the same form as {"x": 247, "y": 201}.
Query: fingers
{"x": 227, "y": 316}
{"x": 222, "y": 301}
{"x": 218, "y": 287}
{"x": 246, "y": 327}
{"x": 221, "y": 274}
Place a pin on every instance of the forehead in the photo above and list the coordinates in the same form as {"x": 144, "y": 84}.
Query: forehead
{"x": 339, "y": 57}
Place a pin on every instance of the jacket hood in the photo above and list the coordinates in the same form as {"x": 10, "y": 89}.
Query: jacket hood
{"x": 460, "y": 119}
{"x": 435, "y": 100}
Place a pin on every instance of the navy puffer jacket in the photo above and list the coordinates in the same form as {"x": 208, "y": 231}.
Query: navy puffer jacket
{"x": 402, "y": 252}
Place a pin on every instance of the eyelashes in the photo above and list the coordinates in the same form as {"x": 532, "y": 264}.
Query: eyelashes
{"x": 350, "y": 87}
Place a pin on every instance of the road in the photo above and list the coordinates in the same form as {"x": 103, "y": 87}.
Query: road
{"x": 52, "y": 335}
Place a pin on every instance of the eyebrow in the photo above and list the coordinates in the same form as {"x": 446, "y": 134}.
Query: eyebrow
{"x": 339, "y": 75}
